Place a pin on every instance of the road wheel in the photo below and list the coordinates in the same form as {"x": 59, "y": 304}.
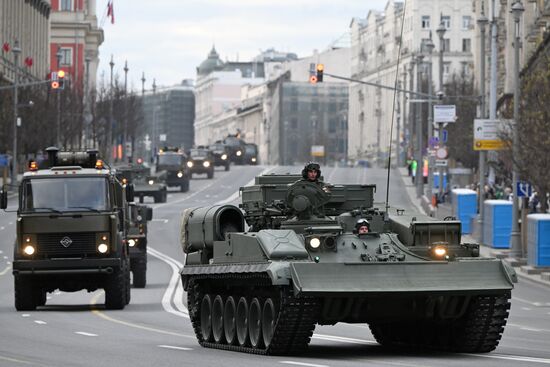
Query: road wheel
{"x": 255, "y": 323}
{"x": 206, "y": 318}
{"x": 140, "y": 274}
{"x": 242, "y": 322}
{"x": 164, "y": 196}
{"x": 210, "y": 174}
{"x": 269, "y": 319}
{"x": 227, "y": 167}
{"x": 217, "y": 320}
{"x": 229, "y": 312}
{"x": 24, "y": 295}
{"x": 184, "y": 186}
{"x": 40, "y": 296}
{"x": 115, "y": 290}
{"x": 141, "y": 199}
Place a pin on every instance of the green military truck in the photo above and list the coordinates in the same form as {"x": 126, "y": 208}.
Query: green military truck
{"x": 71, "y": 227}
{"x": 137, "y": 218}
{"x": 201, "y": 161}
{"x": 171, "y": 161}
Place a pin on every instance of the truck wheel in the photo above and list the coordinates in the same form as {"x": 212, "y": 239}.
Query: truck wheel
{"x": 184, "y": 186}
{"x": 24, "y": 295}
{"x": 157, "y": 197}
{"x": 141, "y": 199}
{"x": 128, "y": 283}
{"x": 40, "y": 296}
{"x": 115, "y": 290}
{"x": 164, "y": 197}
{"x": 227, "y": 167}
{"x": 210, "y": 174}
{"x": 140, "y": 274}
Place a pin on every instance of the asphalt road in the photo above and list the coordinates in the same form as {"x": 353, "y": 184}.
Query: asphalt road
{"x": 73, "y": 329}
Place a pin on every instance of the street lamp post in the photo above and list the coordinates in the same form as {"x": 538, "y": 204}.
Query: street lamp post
{"x": 482, "y": 22}
{"x": 125, "y": 134}
{"x": 154, "y": 118}
{"x": 429, "y": 45}
{"x": 419, "y": 132}
{"x": 516, "y": 251}
{"x": 87, "y": 120}
{"x": 16, "y": 51}
{"x": 58, "y": 56}
{"x": 411, "y": 111}
{"x": 441, "y": 33}
{"x": 142, "y": 84}
{"x": 111, "y": 127}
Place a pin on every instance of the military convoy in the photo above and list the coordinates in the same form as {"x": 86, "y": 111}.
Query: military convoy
{"x": 71, "y": 230}
{"x": 201, "y": 161}
{"x": 171, "y": 167}
{"x": 300, "y": 263}
{"x": 221, "y": 155}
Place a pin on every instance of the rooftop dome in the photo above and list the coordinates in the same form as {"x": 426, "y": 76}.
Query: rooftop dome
{"x": 211, "y": 64}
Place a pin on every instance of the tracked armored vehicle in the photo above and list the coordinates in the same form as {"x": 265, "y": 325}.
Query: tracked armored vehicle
{"x": 301, "y": 263}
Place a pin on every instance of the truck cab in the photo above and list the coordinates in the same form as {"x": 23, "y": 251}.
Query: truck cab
{"x": 173, "y": 162}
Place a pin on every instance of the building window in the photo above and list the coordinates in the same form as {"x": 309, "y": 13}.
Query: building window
{"x": 446, "y": 68}
{"x": 446, "y": 20}
{"x": 66, "y": 5}
{"x": 294, "y": 123}
{"x": 66, "y": 56}
{"x": 446, "y": 45}
{"x": 294, "y": 106}
{"x": 425, "y": 22}
{"x": 466, "y": 22}
{"x": 466, "y": 45}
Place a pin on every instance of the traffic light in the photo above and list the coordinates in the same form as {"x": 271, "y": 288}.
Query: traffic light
{"x": 312, "y": 74}
{"x": 54, "y": 81}
{"x": 61, "y": 79}
{"x": 313, "y": 79}
{"x": 320, "y": 68}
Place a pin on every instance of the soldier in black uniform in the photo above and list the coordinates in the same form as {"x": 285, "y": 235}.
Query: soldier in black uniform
{"x": 312, "y": 172}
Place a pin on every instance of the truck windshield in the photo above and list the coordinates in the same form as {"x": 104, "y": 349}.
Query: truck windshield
{"x": 199, "y": 153}
{"x": 66, "y": 194}
{"x": 170, "y": 160}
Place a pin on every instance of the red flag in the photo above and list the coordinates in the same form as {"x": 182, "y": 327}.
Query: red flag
{"x": 28, "y": 61}
{"x": 6, "y": 47}
{"x": 111, "y": 11}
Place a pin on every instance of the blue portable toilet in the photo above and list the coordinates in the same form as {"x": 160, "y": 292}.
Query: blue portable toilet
{"x": 465, "y": 207}
{"x": 497, "y": 223}
{"x": 436, "y": 181}
{"x": 538, "y": 239}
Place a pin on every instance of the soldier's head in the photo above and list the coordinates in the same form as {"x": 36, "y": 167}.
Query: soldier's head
{"x": 362, "y": 226}
{"x": 311, "y": 171}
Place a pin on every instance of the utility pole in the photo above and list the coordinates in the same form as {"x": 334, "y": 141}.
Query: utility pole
{"x": 399, "y": 122}
{"x": 111, "y": 123}
{"x": 412, "y": 107}
{"x": 429, "y": 45}
{"x": 441, "y": 33}
{"x": 143, "y": 84}
{"x": 87, "y": 111}
{"x": 16, "y": 51}
{"x": 482, "y": 23}
{"x": 419, "y": 132}
{"x": 125, "y": 134}
{"x": 154, "y": 104}
{"x": 517, "y": 250}
{"x": 58, "y": 56}
{"x": 404, "y": 111}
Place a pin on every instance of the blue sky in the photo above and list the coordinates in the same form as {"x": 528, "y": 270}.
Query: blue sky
{"x": 167, "y": 39}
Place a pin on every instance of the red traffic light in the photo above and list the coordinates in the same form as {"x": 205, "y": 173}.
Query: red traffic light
{"x": 54, "y": 84}
{"x": 313, "y": 79}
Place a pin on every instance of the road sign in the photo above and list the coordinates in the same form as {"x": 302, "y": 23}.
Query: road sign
{"x": 444, "y": 136}
{"x": 441, "y": 153}
{"x": 444, "y": 113}
{"x": 162, "y": 137}
{"x": 487, "y": 135}
{"x": 434, "y": 140}
{"x": 441, "y": 162}
{"x": 524, "y": 189}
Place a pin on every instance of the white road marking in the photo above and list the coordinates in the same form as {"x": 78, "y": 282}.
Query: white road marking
{"x": 5, "y": 257}
{"x": 57, "y": 293}
{"x": 526, "y": 308}
{"x": 536, "y": 304}
{"x": 84, "y": 333}
{"x": 5, "y": 270}
{"x": 522, "y": 327}
{"x": 48, "y": 297}
{"x": 343, "y": 339}
{"x": 303, "y": 364}
{"x": 40, "y": 322}
{"x": 1, "y": 252}
{"x": 10, "y": 223}
{"x": 26, "y": 315}
{"x": 530, "y": 329}
{"x": 8, "y": 262}
{"x": 2, "y": 228}
{"x": 173, "y": 347}
{"x": 513, "y": 358}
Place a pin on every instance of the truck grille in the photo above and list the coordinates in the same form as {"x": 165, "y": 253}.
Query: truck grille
{"x": 66, "y": 244}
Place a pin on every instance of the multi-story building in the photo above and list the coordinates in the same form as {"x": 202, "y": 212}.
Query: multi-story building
{"x": 169, "y": 115}
{"x": 75, "y": 37}
{"x": 376, "y": 41}
{"x": 28, "y": 23}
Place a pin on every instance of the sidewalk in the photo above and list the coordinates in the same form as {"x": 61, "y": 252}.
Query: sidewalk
{"x": 445, "y": 209}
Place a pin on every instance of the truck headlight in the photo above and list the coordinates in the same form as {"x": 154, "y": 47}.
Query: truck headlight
{"x": 132, "y": 242}
{"x": 224, "y": 156}
{"x": 315, "y": 243}
{"x": 180, "y": 174}
{"x": 189, "y": 164}
{"x": 253, "y": 159}
{"x": 239, "y": 153}
{"x": 29, "y": 250}
{"x": 102, "y": 243}
{"x": 439, "y": 251}
{"x": 151, "y": 182}
{"x": 206, "y": 164}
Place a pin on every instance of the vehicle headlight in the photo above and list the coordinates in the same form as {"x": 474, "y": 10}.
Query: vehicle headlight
{"x": 189, "y": 164}
{"x": 102, "y": 243}
{"x": 206, "y": 164}
{"x": 180, "y": 174}
{"x": 139, "y": 218}
{"x": 239, "y": 153}
{"x": 151, "y": 182}
{"x": 315, "y": 242}
{"x": 253, "y": 159}
{"x": 224, "y": 156}
{"x": 29, "y": 250}
{"x": 132, "y": 242}
{"x": 439, "y": 251}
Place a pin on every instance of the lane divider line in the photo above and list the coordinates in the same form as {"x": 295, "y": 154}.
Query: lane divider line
{"x": 40, "y": 322}
{"x": 303, "y": 364}
{"x": 85, "y": 333}
{"x": 174, "y": 347}
{"x": 512, "y": 358}
{"x": 3, "y": 272}
{"x": 4, "y": 358}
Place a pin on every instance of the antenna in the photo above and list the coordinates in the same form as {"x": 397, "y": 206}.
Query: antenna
{"x": 393, "y": 107}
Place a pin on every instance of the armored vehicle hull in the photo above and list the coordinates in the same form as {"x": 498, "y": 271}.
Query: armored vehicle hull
{"x": 263, "y": 291}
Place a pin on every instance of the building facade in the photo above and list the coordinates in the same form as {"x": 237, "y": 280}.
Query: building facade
{"x": 75, "y": 40}
{"x": 28, "y": 23}
{"x": 376, "y": 41}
